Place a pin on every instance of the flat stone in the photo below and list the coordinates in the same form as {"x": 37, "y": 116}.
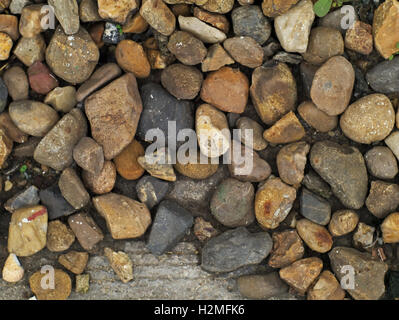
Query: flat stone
{"x": 151, "y": 191}
{"x": 369, "y": 273}
{"x": 26, "y": 198}
{"x": 314, "y": 235}
{"x": 291, "y": 162}
{"x": 251, "y": 133}
{"x": 74, "y": 261}
{"x": 120, "y": 263}
{"x": 201, "y": 30}
{"x": 234, "y": 249}
{"x": 316, "y": 118}
{"x": 274, "y": 8}
{"x": 114, "y": 113}
{"x": 315, "y": 208}
{"x": 343, "y": 222}
{"x": 27, "y": 231}
{"x": 62, "y": 285}
{"x": 216, "y": 58}
{"x": 86, "y": 230}
{"x": 381, "y": 162}
{"x": 287, "y": 248}
{"x": 116, "y": 10}
{"x": 158, "y": 16}
{"x": 262, "y": 286}
{"x": 72, "y": 189}
{"x": 343, "y": 168}
{"x": 17, "y": 83}
{"x": 273, "y": 202}
{"x": 287, "y": 129}
{"x": 30, "y": 50}
{"x": 326, "y": 287}
{"x": 383, "y": 198}
{"x": 12, "y": 270}
{"x": 62, "y": 99}
{"x": 59, "y": 236}
{"x": 245, "y": 51}
{"x": 383, "y": 76}
{"x": 55, "y": 149}
{"x": 273, "y": 91}
{"x": 170, "y": 224}
{"x": 126, "y": 218}
{"x": 188, "y": 49}
{"x": 103, "y": 181}
{"x": 131, "y": 57}
{"x": 67, "y": 13}
{"x": 89, "y": 155}
{"x": 56, "y": 205}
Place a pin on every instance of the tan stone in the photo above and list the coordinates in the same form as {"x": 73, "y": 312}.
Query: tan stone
{"x": 11, "y": 130}
{"x": 316, "y": 118}
{"x": 131, "y": 57}
{"x": 326, "y": 288}
{"x": 287, "y": 248}
{"x": 291, "y": 162}
{"x": 217, "y": 20}
{"x": 62, "y": 285}
{"x": 196, "y": 170}
{"x": 12, "y": 270}
{"x": 315, "y": 236}
{"x": 159, "y": 16}
{"x": 250, "y": 128}
{"x": 102, "y": 182}
{"x": 343, "y": 222}
{"x": 216, "y": 58}
{"x": 30, "y": 21}
{"x": 59, "y": 236}
{"x": 9, "y": 25}
{"x": 219, "y": 6}
{"x": 244, "y": 50}
{"x": 158, "y": 165}
{"x": 359, "y": 38}
{"x": 274, "y": 8}
{"x": 287, "y": 129}
{"x": 5, "y": 46}
{"x": 74, "y": 261}
{"x": 116, "y": 10}
{"x": 390, "y": 228}
{"x": 135, "y": 24}
{"x": 5, "y": 146}
{"x": 121, "y": 264}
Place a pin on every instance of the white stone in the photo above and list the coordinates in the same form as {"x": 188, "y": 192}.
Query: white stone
{"x": 12, "y": 271}
{"x": 201, "y": 30}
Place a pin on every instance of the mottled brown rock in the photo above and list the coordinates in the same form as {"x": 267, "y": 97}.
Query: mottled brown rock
{"x": 381, "y": 162}
{"x": 218, "y": 6}
{"x": 30, "y": 21}
{"x": 114, "y": 113}
{"x": 9, "y": 25}
{"x": 5, "y": 146}
{"x": 59, "y": 236}
{"x": 196, "y": 168}
{"x": 158, "y": 16}
{"x": 390, "y": 228}
{"x": 343, "y": 222}
{"x": 5, "y": 46}
{"x": 126, "y": 162}
{"x": 383, "y": 198}
{"x": 363, "y": 237}
{"x": 316, "y": 118}
{"x": 217, "y": 20}
{"x": 86, "y": 230}
{"x": 62, "y": 99}
{"x": 302, "y": 273}
{"x": 74, "y": 261}
{"x": 359, "y": 38}
{"x": 273, "y": 91}
{"x": 89, "y": 155}
{"x": 62, "y": 285}
{"x": 187, "y": 49}
{"x": 326, "y": 288}
{"x": 72, "y": 189}
{"x": 131, "y": 57}
{"x": 274, "y": 8}
{"x": 102, "y": 182}
{"x": 250, "y": 129}
{"x": 116, "y": 10}
{"x": 17, "y": 83}
{"x": 273, "y": 202}
{"x": 287, "y": 248}
{"x": 41, "y": 79}
{"x": 158, "y": 165}
{"x": 244, "y": 50}
{"x": 227, "y": 89}
{"x": 126, "y": 218}
{"x": 120, "y": 263}
{"x": 11, "y": 130}
{"x": 291, "y": 162}
{"x": 88, "y": 11}
{"x": 332, "y": 85}
{"x": 203, "y": 229}
{"x": 287, "y": 129}
{"x": 315, "y": 236}
{"x": 30, "y": 50}
{"x": 135, "y": 24}
{"x": 216, "y": 58}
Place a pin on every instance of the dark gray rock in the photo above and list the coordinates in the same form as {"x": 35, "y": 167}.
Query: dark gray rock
{"x": 250, "y": 21}
{"x": 234, "y": 249}
{"x": 151, "y": 190}
{"x": 384, "y": 77}
{"x": 55, "y": 203}
{"x": 317, "y": 185}
{"x": 307, "y": 72}
{"x": 28, "y": 197}
{"x": 315, "y": 208}
{"x": 3, "y": 95}
{"x": 111, "y": 34}
{"x": 159, "y": 107}
{"x": 334, "y": 19}
{"x": 261, "y": 286}
{"x": 170, "y": 225}
{"x": 344, "y": 169}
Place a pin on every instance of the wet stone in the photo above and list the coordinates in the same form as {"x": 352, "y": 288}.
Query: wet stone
{"x": 86, "y": 230}
{"x": 59, "y": 236}
{"x": 74, "y": 261}
{"x": 151, "y": 190}
{"x": 25, "y": 198}
{"x": 261, "y": 286}
{"x": 383, "y": 198}
{"x": 315, "y": 208}
{"x": 56, "y": 204}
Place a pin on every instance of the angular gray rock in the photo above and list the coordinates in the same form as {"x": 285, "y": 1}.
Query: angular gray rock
{"x": 151, "y": 190}
{"x": 315, "y": 208}
{"x": 55, "y": 203}
{"x": 384, "y": 77}
{"x": 25, "y": 198}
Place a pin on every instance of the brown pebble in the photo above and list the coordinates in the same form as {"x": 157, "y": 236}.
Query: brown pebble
{"x": 390, "y": 228}
{"x": 102, "y": 182}
{"x": 126, "y": 162}
{"x": 315, "y": 236}
{"x": 244, "y": 50}
{"x": 326, "y": 287}
{"x": 59, "y": 236}
{"x": 343, "y": 222}
{"x": 187, "y": 49}
{"x": 74, "y": 261}
{"x": 131, "y": 57}
{"x": 287, "y": 248}
{"x": 287, "y": 129}
{"x": 316, "y": 118}
{"x": 62, "y": 285}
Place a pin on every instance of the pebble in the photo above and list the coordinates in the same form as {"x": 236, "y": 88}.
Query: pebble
{"x": 72, "y": 57}
{"x": 219, "y": 6}
{"x": 159, "y": 107}
{"x": 3, "y": 95}
{"x": 316, "y": 118}
{"x": 82, "y": 283}
{"x": 103, "y": 181}
{"x": 314, "y": 183}
{"x": 158, "y": 16}
{"x": 334, "y": 19}
{"x": 30, "y": 20}
{"x": 251, "y": 134}
{"x": 86, "y": 230}
{"x": 62, "y": 285}
{"x": 226, "y": 89}
{"x": 381, "y": 162}
{"x": 67, "y": 13}
{"x": 72, "y": 189}
{"x": 214, "y": 19}
{"x": 273, "y": 202}
{"x": 110, "y": 34}
{"x": 27, "y": 148}
{"x": 273, "y": 91}
{"x": 65, "y": 135}
{"x": 9, "y": 26}
{"x": 120, "y": 263}
{"x": 88, "y": 11}
{"x": 287, "y": 248}
{"x": 359, "y": 38}
{"x": 249, "y": 21}
{"x": 16, "y": 6}
{"x": 386, "y": 28}
{"x": 126, "y": 162}
{"x": 22, "y": 113}
{"x": 74, "y": 261}
{"x": 11, "y": 129}
{"x": 88, "y": 154}
{"x": 392, "y": 141}
{"x": 27, "y": 231}
{"x": 263, "y": 286}
{"x": 212, "y": 131}
{"x": 218, "y": 252}
{"x": 343, "y": 222}
{"x": 196, "y": 169}
{"x": 326, "y": 287}
{"x": 114, "y": 113}
{"x": 244, "y": 50}
{"x": 56, "y": 204}
{"x": 17, "y": 83}
{"x": 332, "y": 85}
{"x": 301, "y": 274}
{"x": 40, "y": 78}
{"x": 181, "y": 81}
{"x": 59, "y": 236}
{"x": 369, "y": 119}
{"x": 390, "y": 227}
{"x": 6, "y": 145}
{"x": 230, "y": 210}
{"x": 204, "y": 230}
{"x": 343, "y": 168}
{"x": 188, "y": 49}
{"x": 314, "y": 235}
{"x": 363, "y": 237}
{"x": 274, "y": 8}
{"x": 116, "y": 10}
{"x": 369, "y": 272}
{"x": 62, "y": 99}
{"x": 126, "y": 218}
{"x": 170, "y": 224}
{"x": 158, "y": 165}
{"x": 314, "y": 207}
{"x": 216, "y": 58}
{"x": 291, "y": 162}
{"x": 383, "y": 198}
{"x": 135, "y": 24}
{"x": 201, "y": 30}
{"x": 12, "y": 270}
{"x": 324, "y": 43}
{"x": 382, "y": 77}
{"x": 30, "y": 50}
{"x": 299, "y": 17}
{"x": 287, "y": 129}
{"x": 26, "y": 198}
{"x": 131, "y": 57}
{"x": 8, "y": 185}
{"x": 151, "y": 191}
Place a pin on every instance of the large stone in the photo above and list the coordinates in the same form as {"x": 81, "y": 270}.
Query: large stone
{"x": 344, "y": 169}
{"x": 114, "y": 113}
{"x": 369, "y": 273}
{"x": 262, "y": 286}
{"x": 158, "y": 16}
{"x": 55, "y": 149}
{"x": 383, "y": 77}
{"x": 67, "y": 13}
{"x": 234, "y": 249}
{"x": 126, "y": 218}
{"x": 383, "y": 198}
{"x": 72, "y": 189}
{"x": 88, "y": 11}
{"x": 9, "y": 25}
{"x": 62, "y": 285}
{"x": 287, "y": 248}
{"x": 314, "y": 235}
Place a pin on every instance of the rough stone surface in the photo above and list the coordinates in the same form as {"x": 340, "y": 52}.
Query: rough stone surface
{"x": 62, "y": 99}
{"x": 314, "y": 235}
{"x": 30, "y": 50}
{"x": 274, "y": 8}
{"x": 74, "y": 261}
{"x": 120, "y": 263}
{"x": 343, "y": 222}
{"x": 287, "y": 248}
{"x": 287, "y": 129}
{"x": 56, "y": 205}
{"x": 158, "y": 16}
{"x": 67, "y": 13}
{"x": 326, "y": 287}
{"x": 12, "y": 270}
{"x": 383, "y": 198}
{"x": 116, "y": 10}
{"x": 291, "y": 162}
{"x": 59, "y": 236}
{"x": 103, "y": 181}
{"x": 72, "y": 189}
{"x": 359, "y": 38}
{"x": 88, "y": 154}
{"x": 86, "y": 230}
{"x": 62, "y": 286}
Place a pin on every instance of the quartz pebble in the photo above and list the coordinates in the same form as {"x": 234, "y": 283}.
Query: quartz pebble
{"x": 12, "y": 270}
